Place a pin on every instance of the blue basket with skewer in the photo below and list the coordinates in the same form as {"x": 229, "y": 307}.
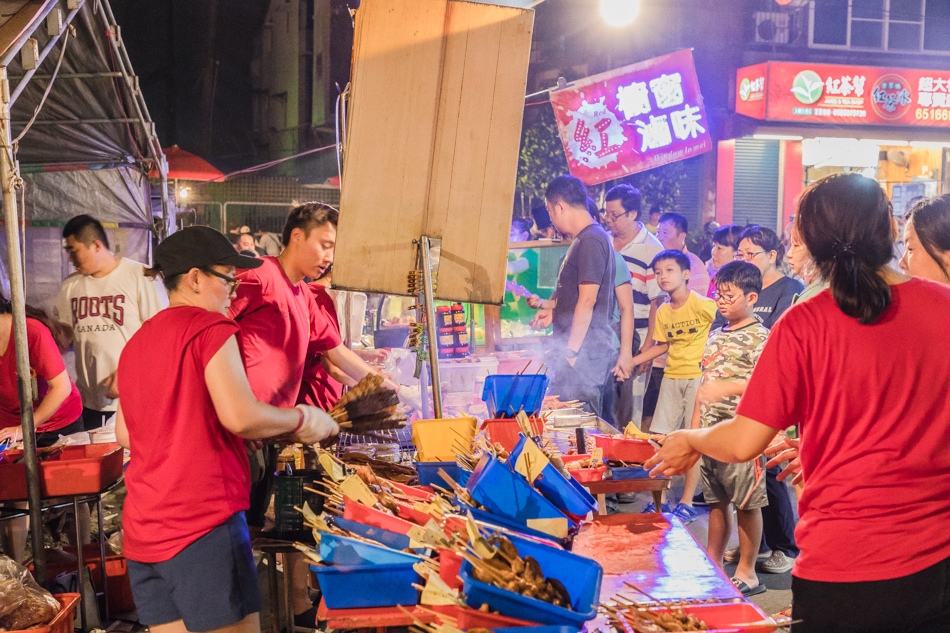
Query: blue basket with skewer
{"x": 507, "y": 394}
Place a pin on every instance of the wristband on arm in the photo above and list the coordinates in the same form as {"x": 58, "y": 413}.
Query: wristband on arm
{"x": 299, "y": 424}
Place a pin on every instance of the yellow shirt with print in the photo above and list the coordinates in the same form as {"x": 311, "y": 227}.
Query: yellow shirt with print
{"x": 686, "y": 330}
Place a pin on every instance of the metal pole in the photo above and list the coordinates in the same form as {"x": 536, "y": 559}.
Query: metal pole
{"x": 430, "y": 326}
{"x": 24, "y": 384}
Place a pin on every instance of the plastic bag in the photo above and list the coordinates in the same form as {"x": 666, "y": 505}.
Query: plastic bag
{"x": 23, "y": 603}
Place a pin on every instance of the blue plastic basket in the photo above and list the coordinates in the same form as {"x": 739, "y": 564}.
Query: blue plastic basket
{"x": 368, "y": 585}
{"x": 507, "y": 394}
{"x": 386, "y": 537}
{"x": 341, "y": 550}
{"x": 629, "y": 472}
{"x": 580, "y": 576}
{"x": 488, "y": 517}
{"x": 507, "y": 494}
{"x": 429, "y": 473}
{"x": 564, "y": 492}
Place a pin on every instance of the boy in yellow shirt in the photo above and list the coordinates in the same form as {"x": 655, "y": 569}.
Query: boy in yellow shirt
{"x": 682, "y": 327}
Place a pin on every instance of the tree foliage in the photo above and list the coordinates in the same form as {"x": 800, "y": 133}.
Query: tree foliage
{"x": 542, "y": 154}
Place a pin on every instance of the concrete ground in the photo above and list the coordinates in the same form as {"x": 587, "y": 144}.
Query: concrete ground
{"x": 779, "y": 594}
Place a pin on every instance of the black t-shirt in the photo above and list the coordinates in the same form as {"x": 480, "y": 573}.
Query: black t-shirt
{"x": 775, "y": 300}
{"x": 590, "y": 259}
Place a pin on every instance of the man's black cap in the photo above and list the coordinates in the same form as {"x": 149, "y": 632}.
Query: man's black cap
{"x": 198, "y": 247}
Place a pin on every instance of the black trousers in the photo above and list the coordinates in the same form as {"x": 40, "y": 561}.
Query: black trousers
{"x": 778, "y": 518}
{"x": 919, "y": 603}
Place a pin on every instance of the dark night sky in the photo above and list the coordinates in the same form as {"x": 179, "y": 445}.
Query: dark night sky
{"x": 189, "y": 54}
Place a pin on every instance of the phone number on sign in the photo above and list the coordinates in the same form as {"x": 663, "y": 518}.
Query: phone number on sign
{"x": 935, "y": 114}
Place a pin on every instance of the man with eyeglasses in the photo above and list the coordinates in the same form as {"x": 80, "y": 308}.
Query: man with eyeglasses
{"x": 637, "y": 246}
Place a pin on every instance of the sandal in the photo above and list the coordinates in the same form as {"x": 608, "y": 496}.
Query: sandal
{"x": 746, "y": 590}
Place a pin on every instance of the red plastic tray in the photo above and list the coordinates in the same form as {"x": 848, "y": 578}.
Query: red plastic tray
{"x": 63, "y": 622}
{"x": 467, "y": 618}
{"x": 622, "y": 449}
{"x": 505, "y": 431}
{"x": 117, "y": 574}
{"x": 723, "y": 618}
{"x": 423, "y": 493}
{"x": 449, "y": 564}
{"x": 584, "y": 475}
{"x": 77, "y": 470}
{"x": 353, "y": 511}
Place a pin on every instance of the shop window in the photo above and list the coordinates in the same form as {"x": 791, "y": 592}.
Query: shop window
{"x": 882, "y": 25}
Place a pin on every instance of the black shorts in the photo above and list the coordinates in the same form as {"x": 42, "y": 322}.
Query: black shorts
{"x": 48, "y": 438}
{"x": 210, "y": 584}
{"x": 93, "y": 419}
{"x": 652, "y": 392}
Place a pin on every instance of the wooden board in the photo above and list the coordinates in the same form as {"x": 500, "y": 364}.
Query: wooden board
{"x": 434, "y": 131}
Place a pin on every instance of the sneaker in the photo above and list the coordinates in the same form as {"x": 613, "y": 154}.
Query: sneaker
{"x": 777, "y": 563}
{"x": 687, "y": 514}
{"x": 651, "y": 507}
{"x": 627, "y": 497}
{"x": 732, "y": 556}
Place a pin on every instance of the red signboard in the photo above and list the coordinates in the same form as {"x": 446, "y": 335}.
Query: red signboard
{"x": 826, "y": 93}
{"x": 632, "y": 119}
{"x": 750, "y": 90}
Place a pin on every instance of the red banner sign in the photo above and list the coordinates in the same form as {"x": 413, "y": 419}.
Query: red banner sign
{"x": 826, "y": 93}
{"x": 632, "y": 119}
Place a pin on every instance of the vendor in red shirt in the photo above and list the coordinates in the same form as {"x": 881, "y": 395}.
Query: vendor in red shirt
{"x": 57, "y": 408}
{"x": 863, "y": 368}
{"x": 186, "y": 411}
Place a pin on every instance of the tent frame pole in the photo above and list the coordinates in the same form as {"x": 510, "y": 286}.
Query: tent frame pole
{"x": 8, "y": 181}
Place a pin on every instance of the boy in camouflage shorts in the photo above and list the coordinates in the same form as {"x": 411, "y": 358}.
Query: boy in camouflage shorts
{"x": 730, "y": 355}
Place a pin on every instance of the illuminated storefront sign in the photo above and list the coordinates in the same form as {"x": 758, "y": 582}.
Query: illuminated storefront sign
{"x": 826, "y": 93}
{"x": 632, "y": 119}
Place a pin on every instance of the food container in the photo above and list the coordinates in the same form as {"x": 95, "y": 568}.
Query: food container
{"x": 63, "y": 622}
{"x": 723, "y": 617}
{"x": 507, "y": 394}
{"x": 506, "y": 431}
{"x": 117, "y": 574}
{"x": 385, "y": 537}
{"x": 565, "y": 493}
{"x": 507, "y": 494}
{"x": 580, "y": 576}
{"x": 435, "y": 440}
{"x": 341, "y": 550}
{"x": 429, "y": 473}
{"x": 623, "y": 449}
{"x": 353, "y": 511}
{"x": 488, "y": 521}
{"x": 378, "y": 585}
{"x": 629, "y": 472}
{"x": 467, "y": 618}
{"x": 584, "y": 475}
{"x": 76, "y": 470}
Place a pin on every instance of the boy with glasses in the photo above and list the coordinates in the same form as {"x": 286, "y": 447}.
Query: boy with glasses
{"x": 730, "y": 355}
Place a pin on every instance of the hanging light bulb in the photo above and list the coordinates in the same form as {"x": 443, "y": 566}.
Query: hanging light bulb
{"x": 619, "y": 12}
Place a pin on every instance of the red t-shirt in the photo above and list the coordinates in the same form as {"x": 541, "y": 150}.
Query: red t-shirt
{"x": 871, "y": 402}
{"x": 188, "y": 474}
{"x": 318, "y": 388}
{"x": 47, "y": 362}
{"x": 278, "y": 321}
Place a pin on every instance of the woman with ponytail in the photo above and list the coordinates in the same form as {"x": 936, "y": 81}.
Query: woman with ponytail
{"x": 863, "y": 368}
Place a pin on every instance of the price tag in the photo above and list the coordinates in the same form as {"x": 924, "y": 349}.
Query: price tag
{"x": 597, "y": 453}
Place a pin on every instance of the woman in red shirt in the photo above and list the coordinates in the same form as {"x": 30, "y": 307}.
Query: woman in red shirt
{"x": 57, "y": 408}
{"x": 185, "y": 413}
{"x": 864, "y": 368}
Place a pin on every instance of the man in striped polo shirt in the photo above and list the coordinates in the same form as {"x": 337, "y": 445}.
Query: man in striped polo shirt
{"x": 638, "y": 247}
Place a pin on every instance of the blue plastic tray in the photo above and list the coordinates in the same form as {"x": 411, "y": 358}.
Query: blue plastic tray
{"x": 429, "y": 473}
{"x": 629, "y": 472}
{"x": 341, "y": 550}
{"x": 386, "y": 537}
{"x": 505, "y": 493}
{"x": 580, "y": 576}
{"x": 537, "y": 629}
{"x": 488, "y": 517}
{"x": 368, "y": 585}
{"x": 507, "y": 394}
{"x": 564, "y": 492}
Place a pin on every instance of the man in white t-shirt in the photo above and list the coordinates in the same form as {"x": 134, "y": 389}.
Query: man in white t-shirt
{"x": 638, "y": 247}
{"x": 105, "y": 302}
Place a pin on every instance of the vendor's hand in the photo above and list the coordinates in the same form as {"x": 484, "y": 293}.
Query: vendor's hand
{"x": 317, "y": 426}
{"x": 253, "y": 446}
{"x": 112, "y": 389}
{"x": 675, "y": 457}
{"x": 12, "y": 433}
{"x": 542, "y": 320}
{"x": 373, "y": 355}
{"x": 534, "y": 301}
{"x": 624, "y": 368}
{"x": 787, "y": 449}
{"x": 388, "y": 383}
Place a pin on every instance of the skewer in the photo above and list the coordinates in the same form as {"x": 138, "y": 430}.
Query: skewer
{"x": 638, "y": 590}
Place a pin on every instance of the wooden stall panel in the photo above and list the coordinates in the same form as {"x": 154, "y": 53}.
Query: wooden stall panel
{"x": 456, "y": 182}
{"x": 397, "y": 64}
